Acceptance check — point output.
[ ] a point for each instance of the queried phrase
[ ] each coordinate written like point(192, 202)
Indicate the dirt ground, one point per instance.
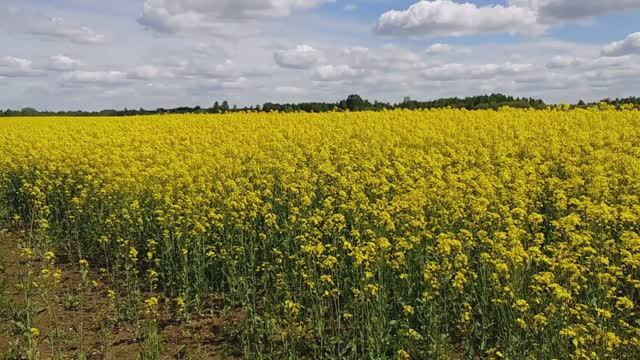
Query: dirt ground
point(83, 327)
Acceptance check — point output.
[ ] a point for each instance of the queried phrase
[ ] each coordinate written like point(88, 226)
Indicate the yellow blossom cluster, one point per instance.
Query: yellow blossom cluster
point(395, 234)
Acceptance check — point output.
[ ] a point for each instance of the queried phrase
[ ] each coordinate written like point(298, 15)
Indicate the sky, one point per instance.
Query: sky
point(96, 54)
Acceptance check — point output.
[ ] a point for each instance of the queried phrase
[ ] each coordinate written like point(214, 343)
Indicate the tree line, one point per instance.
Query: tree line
point(351, 103)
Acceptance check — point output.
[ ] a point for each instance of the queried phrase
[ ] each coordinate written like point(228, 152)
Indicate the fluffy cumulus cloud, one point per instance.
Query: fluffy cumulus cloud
point(564, 61)
point(95, 77)
point(289, 90)
point(56, 28)
point(237, 83)
point(171, 16)
point(630, 45)
point(301, 57)
point(444, 49)
point(452, 72)
point(150, 72)
point(577, 65)
point(226, 70)
point(385, 58)
point(159, 19)
point(63, 63)
point(439, 48)
point(337, 73)
point(607, 63)
point(48, 24)
point(448, 18)
point(14, 67)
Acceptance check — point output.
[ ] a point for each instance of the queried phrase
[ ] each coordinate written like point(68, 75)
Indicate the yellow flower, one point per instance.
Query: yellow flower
point(292, 308)
point(329, 262)
point(50, 256)
point(408, 310)
point(133, 254)
point(372, 289)
point(151, 305)
point(326, 279)
point(540, 320)
point(27, 253)
point(180, 302)
point(521, 305)
point(612, 341)
point(153, 275)
point(624, 304)
point(413, 334)
point(57, 275)
point(403, 355)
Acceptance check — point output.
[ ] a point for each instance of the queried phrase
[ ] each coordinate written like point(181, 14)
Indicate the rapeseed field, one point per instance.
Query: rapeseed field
point(436, 234)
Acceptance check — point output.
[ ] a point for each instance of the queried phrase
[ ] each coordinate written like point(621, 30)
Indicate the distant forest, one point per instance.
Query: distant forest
point(351, 103)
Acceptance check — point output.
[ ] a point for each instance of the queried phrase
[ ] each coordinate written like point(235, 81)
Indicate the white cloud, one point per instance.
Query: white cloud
point(170, 16)
point(529, 17)
point(239, 83)
point(452, 72)
point(226, 70)
point(613, 76)
point(240, 8)
point(301, 57)
point(204, 85)
point(448, 18)
point(17, 67)
point(385, 58)
point(605, 63)
point(442, 49)
point(563, 61)
point(56, 28)
point(546, 79)
point(566, 10)
point(438, 49)
point(149, 72)
point(14, 62)
point(159, 19)
point(336, 73)
point(350, 7)
point(630, 45)
point(96, 77)
point(289, 90)
point(63, 63)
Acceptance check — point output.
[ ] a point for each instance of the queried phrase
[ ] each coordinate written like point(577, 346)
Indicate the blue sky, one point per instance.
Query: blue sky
point(94, 54)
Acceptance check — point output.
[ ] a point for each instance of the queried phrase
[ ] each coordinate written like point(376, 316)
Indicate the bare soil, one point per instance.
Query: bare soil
point(84, 327)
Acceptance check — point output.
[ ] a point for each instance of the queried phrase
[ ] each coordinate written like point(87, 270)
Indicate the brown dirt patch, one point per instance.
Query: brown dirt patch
point(83, 323)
